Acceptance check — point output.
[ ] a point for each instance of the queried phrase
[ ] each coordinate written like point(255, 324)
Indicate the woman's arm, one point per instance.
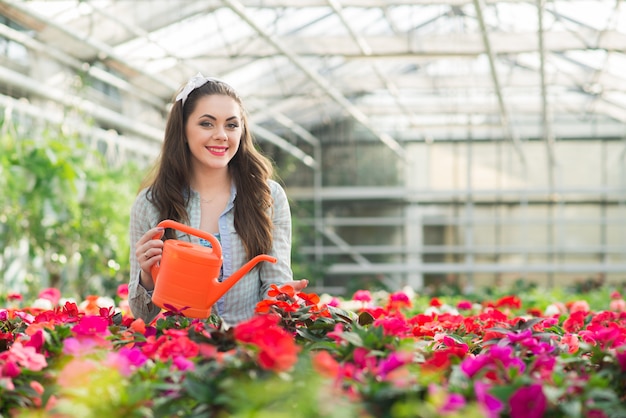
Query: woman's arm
point(142, 218)
point(279, 273)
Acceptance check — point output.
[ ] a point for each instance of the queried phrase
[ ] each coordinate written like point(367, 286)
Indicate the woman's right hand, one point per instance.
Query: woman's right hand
point(148, 251)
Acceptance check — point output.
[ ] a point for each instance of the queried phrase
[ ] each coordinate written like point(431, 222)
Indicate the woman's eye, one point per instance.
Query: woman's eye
point(206, 124)
point(233, 126)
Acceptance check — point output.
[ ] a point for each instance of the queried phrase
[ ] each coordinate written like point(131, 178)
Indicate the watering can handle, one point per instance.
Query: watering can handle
point(217, 248)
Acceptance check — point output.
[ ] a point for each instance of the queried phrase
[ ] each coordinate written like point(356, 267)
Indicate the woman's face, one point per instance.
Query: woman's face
point(213, 131)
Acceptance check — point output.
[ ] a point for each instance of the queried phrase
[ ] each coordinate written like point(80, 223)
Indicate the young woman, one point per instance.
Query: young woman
point(210, 176)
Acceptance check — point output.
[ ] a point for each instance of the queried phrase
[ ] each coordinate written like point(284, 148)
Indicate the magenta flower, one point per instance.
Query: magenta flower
point(491, 405)
point(621, 359)
point(363, 358)
point(497, 359)
point(506, 357)
point(126, 360)
point(91, 326)
point(454, 402)
point(393, 326)
point(528, 402)
point(10, 369)
point(472, 365)
point(362, 296)
point(604, 337)
point(464, 305)
point(122, 291)
point(400, 298)
point(394, 361)
point(182, 363)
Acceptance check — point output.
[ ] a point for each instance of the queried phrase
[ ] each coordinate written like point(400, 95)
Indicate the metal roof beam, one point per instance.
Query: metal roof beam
point(367, 51)
point(504, 116)
point(80, 66)
point(103, 51)
point(548, 135)
point(335, 94)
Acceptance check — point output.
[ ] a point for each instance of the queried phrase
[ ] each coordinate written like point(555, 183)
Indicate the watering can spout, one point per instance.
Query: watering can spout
point(245, 269)
point(220, 288)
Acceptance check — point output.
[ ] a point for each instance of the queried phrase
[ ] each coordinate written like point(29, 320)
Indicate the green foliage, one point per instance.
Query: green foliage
point(67, 208)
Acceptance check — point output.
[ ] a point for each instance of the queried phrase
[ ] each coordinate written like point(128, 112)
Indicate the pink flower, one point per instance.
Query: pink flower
point(579, 306)
point(362, 296)
point(394, 361)
point(77, 372)
point(122, 291)
point(528, 402)
point(27, 357)
point(337, 334)
point(393, 325)
point(618, 305)
point(79, 347)
point(52, 294)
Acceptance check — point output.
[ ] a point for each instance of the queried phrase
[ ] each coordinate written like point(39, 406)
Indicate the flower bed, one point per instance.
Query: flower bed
point(381, 355)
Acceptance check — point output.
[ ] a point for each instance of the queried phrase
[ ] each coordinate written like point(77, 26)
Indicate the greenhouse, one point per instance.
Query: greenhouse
point(439, 148)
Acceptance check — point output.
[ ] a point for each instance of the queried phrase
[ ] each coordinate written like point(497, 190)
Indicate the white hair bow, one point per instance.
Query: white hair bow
point(194, 82)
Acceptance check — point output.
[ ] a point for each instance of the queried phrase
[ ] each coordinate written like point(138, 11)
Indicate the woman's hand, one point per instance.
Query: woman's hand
point(148, 251)
point(298, 285)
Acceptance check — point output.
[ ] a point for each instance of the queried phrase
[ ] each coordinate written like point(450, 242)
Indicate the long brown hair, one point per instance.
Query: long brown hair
point(169, 184)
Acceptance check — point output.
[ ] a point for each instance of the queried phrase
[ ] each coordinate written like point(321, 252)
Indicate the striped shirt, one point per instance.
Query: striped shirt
point(239, 302)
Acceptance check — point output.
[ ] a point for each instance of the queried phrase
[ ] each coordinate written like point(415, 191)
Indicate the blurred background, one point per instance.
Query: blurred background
point(443, 145)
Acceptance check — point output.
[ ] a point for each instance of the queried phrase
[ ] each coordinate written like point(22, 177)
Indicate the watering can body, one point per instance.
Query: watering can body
point(186, 279)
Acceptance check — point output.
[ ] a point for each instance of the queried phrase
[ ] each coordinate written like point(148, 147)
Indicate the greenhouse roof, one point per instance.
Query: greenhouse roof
point(403, 70)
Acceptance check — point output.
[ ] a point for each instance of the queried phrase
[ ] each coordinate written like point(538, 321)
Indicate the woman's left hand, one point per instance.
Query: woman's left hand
point(298, 285)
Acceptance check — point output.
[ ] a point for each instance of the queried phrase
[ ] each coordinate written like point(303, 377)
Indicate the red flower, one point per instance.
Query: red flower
point(177, 347)
point(509, 301)
point(277, 349)
point(14, 297)
point(309, 298)
point(283, 291)
point(575, 322)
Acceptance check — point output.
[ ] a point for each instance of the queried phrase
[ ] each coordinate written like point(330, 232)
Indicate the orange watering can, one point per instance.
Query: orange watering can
point(186, 279)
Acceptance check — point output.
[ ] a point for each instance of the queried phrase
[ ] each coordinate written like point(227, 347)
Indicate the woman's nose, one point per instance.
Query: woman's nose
point(220, 133)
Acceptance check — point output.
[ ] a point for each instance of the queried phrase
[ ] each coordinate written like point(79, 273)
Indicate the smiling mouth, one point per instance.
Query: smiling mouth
point(217, 150)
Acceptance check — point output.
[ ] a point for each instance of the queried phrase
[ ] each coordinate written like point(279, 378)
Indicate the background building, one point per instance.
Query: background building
point(424, 143)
